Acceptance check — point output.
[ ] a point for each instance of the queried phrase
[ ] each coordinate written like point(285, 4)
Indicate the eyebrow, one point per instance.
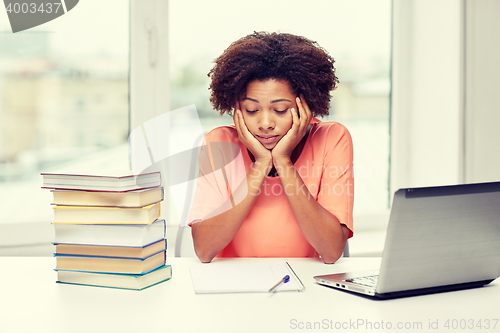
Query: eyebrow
point(273, 101)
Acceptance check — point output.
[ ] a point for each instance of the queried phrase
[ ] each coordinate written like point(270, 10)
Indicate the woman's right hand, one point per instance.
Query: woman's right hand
point(261, 153)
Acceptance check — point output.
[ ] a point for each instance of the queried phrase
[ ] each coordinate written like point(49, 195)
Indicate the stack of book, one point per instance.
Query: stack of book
point(107, 229)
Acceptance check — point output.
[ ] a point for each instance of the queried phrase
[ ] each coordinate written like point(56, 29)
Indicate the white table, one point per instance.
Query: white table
point(32, 302)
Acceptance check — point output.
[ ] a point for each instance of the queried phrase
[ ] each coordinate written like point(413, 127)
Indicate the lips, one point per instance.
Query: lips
point(267, 138)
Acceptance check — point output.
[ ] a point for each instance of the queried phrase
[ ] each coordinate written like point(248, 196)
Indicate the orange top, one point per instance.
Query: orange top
point(270, 229)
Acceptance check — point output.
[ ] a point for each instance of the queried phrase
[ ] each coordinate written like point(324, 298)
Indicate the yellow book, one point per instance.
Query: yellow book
point(106, 215)
point(110, 264)
point(131, 199)
point(111, 251)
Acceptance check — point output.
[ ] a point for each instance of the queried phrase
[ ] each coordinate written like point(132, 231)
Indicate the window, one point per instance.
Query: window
point(63, 101)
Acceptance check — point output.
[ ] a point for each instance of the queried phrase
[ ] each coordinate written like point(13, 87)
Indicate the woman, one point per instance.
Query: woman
point(279, 183)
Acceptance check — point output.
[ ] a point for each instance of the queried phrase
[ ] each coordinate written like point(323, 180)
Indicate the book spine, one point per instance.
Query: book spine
point(104, 227)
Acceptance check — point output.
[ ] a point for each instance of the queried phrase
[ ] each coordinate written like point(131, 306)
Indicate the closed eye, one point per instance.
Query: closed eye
point(278, 111)
point(251, 111)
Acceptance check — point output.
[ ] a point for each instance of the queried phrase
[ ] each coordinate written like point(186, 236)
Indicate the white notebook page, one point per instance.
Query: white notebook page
point(221, 277)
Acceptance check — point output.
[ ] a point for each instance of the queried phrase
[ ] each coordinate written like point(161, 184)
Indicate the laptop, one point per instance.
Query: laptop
point(439, 239)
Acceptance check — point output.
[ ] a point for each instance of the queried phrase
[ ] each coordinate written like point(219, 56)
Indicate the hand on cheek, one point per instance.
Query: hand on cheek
point(300, 122)
point(260, 152)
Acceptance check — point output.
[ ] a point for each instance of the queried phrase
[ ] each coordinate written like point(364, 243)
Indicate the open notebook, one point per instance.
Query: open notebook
point(222, 277)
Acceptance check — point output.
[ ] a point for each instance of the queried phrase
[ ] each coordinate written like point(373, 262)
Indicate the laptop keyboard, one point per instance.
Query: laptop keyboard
point(367, 281)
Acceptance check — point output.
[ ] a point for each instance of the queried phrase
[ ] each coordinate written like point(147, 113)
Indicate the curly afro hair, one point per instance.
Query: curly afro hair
point(281, 56)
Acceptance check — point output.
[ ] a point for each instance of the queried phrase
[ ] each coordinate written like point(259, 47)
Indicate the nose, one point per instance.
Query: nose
point(266, 122)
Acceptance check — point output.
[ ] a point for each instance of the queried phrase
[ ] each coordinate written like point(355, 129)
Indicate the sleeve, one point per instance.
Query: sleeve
point(221, 171)
point(336, 190)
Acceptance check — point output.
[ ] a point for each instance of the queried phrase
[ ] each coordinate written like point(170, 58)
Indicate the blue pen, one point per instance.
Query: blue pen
point(283, 280)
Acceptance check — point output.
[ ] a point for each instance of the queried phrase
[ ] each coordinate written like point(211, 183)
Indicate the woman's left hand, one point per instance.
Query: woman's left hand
point(285, 147)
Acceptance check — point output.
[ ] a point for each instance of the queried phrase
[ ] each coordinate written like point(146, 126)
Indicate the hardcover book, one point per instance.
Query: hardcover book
point(109, 264)
point(133, 235)
point(111, 251)
point(106, 215)
point(132, 199)
point(122, 281)
point(115, 181)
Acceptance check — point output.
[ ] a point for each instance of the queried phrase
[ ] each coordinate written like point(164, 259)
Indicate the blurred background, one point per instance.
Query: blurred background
point(64, 91)
point(418, 92)
point(64, 86)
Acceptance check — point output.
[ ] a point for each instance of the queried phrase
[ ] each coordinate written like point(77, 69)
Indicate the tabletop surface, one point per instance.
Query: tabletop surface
point(31, 301)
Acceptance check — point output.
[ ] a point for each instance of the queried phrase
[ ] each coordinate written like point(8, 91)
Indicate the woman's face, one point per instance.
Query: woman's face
point(266, 109)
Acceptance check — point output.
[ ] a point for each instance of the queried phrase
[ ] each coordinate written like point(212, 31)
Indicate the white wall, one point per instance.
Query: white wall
point(482, 88)
point(426, 93)
point(445, 92)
